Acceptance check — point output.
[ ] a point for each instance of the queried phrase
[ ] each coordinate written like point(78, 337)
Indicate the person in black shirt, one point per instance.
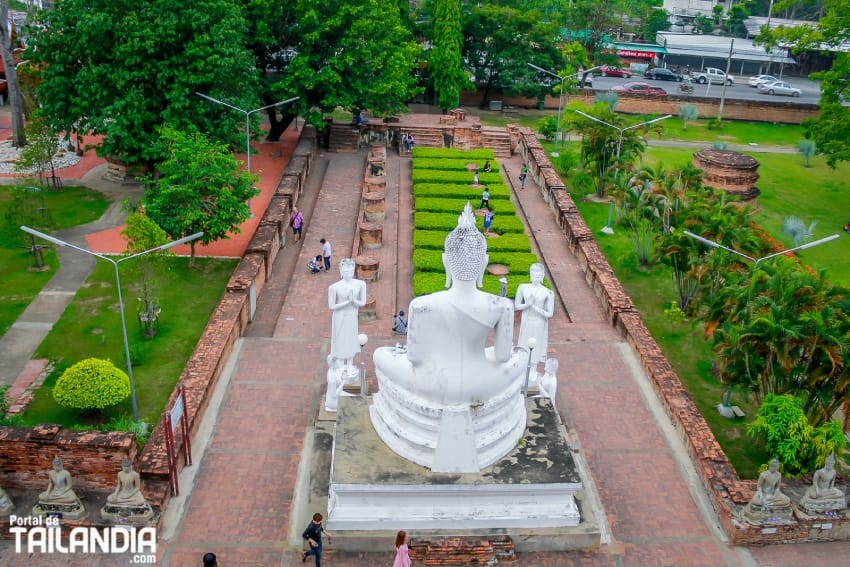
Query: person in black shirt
point(313, 535)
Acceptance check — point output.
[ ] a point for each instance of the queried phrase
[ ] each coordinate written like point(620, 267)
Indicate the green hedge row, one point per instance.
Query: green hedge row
point(450, 153)
point(460, 191)
point(517, 262)
point(438, 176)
point(507, 223)
point(443, 164)
point(499, 204)
point(435, 239)
point(429, 282)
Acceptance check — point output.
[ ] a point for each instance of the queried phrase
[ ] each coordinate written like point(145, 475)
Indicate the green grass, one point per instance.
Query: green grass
point(91, 327)
point(732, 132)
point(63, 209)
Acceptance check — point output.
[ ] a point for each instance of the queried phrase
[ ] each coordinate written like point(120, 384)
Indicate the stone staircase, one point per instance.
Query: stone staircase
point(428, 137)
point(343, 137)
point(499, 140)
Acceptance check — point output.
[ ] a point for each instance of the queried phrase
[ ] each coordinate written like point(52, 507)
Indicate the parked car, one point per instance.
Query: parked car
point(779, 88)
point(662, 74)
point(639, 88)
point(712, 75)
point(607, 71)
point(754, 81)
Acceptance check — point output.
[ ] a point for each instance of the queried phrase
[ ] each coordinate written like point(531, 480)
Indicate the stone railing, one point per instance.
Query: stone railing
point(727, 492)
point(369, 236)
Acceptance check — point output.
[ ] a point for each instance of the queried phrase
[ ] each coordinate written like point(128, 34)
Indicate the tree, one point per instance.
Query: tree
point(143, 234)
point(445, 57)
point(831, 130)
point(500, 41)
point(351, 54)
point(121, 69)
point(657, 21)
point(19, 138)
point(27, 208)
point(91, 385)
point(589, 22)
point(737, 14)
point(199, 187)
point(807, 149)
point(38, 154)
point(687, 112)
point(781, 424)
point(703, 25)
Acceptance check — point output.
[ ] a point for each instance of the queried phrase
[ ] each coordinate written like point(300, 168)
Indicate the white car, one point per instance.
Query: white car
point(778, 88)
point(754, 81)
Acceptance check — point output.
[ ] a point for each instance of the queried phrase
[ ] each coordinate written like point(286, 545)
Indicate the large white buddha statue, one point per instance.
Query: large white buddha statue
point(448, 401)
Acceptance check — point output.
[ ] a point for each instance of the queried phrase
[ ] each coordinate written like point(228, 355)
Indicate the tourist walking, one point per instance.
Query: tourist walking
point(523, 173)
point(326, 253)
point(485, 198)
point(402, 554)
point(488, 220)
point(313, 536)
point(405, 143)
point(400, 324)
point(475, 177)
point(296, 221)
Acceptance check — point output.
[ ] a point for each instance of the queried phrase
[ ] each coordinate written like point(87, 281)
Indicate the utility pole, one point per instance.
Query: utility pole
point(725, 81)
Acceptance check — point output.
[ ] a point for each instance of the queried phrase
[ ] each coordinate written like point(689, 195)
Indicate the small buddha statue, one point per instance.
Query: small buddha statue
point(59, 498)
point(769, 505)
point(127, 504)
point(59, 487)
point(549, 380)
point(345, 298)
point(128, 491)
point(6, 504)
point(537, 305)
point(823, 496)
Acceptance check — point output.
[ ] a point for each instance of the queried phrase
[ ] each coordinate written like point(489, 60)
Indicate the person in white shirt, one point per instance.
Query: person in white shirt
point(326, 253)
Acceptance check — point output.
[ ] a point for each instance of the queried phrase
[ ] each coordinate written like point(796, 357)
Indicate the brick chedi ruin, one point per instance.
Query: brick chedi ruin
point(733, 172)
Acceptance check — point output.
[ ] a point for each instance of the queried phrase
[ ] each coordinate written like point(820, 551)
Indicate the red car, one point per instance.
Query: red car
point(639, 88)
point(607, 71)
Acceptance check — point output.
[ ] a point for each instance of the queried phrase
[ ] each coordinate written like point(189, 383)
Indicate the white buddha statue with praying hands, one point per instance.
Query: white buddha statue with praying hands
point(448, 401)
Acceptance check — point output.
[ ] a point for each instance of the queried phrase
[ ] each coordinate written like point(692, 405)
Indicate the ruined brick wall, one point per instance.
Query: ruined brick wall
point(92, 457)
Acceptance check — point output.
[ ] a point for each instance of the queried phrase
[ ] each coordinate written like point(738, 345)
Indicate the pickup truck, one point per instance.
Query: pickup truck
point(712, 75)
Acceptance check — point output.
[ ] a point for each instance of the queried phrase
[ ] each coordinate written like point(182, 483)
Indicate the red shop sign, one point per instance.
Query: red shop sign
point(633, 53)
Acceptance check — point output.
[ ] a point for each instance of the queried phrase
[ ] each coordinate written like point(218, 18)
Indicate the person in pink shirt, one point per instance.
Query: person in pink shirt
point(402, 556)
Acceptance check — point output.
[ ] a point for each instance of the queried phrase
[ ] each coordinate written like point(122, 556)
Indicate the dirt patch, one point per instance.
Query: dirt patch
point(498, 270)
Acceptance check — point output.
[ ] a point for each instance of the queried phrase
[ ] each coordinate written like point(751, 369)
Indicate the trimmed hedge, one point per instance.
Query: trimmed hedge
point(501, 205)
point(443, 164)
point(518, 263)
point(460, 191)
point(507, 223)
point(429, 282)
point(459, 177)
point(91, 384)
point(435, 240)
point(451, 153)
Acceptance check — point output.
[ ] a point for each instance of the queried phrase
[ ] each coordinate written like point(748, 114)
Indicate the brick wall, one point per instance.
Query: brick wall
point(727, 492)
point(92, 457)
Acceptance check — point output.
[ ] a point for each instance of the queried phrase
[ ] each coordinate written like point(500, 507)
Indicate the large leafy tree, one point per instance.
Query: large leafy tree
point(199, 188)
point(353, 54)
point(500, 41)
point(445, 58)
point(7, 46)
point(831, 130)
point(122, 68)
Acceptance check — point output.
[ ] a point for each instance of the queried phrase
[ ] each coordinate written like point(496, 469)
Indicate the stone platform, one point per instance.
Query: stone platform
point(529, 494)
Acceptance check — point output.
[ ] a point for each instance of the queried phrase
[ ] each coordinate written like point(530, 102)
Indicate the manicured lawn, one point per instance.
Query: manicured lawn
point(62, 209)
point(733, 132)
point(90, 327)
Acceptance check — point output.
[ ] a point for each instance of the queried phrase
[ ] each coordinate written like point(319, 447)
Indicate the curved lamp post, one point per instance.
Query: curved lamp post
point(362, 339)
point(59, 242)
point(248, 114)
point(561, 78)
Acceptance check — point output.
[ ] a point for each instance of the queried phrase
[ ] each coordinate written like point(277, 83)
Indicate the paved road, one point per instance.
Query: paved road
point(740, 90)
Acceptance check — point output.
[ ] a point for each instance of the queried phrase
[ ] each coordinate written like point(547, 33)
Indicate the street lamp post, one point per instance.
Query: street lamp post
point(756, 261)
point(619, 130)
point(58, 242)
point(561, 78)
point(247, 114)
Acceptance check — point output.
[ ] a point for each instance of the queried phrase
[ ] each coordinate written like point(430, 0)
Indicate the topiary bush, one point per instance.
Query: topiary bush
point(91, 384)
point(453, 153)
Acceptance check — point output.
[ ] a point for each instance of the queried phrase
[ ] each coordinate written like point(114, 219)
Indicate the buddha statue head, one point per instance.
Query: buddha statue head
point(465, 256)
point(126, 465)
point(536, 273)
point(57, 463)
point(830, 462)
point(347, 266)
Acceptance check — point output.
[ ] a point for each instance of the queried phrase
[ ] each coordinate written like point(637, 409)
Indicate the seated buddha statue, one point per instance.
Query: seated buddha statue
point(823, 495)
point(59, 486)
point(440, 397)
point(768, 494)
point(128, 491)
